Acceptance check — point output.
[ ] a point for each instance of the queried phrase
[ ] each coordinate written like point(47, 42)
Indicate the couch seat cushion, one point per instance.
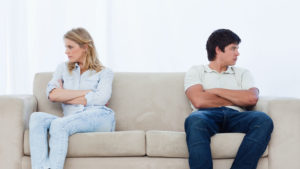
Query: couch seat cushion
point(173, 144)
point(102, 144)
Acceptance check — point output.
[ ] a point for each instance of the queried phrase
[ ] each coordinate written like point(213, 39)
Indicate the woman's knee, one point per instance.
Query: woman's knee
point(37, 119)
point(56, 126)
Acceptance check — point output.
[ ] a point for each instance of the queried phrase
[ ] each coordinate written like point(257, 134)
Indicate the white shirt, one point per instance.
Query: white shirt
point(233, 78)
point(99, 82)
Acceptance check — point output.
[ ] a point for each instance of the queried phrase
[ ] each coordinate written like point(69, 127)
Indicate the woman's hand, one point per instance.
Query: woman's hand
point(78, 100)
point(60, 84)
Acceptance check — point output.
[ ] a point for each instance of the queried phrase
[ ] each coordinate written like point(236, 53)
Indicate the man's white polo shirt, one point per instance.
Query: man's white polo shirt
point(233, 78)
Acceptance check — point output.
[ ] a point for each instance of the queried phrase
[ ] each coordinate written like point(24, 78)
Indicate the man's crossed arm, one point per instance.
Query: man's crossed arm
point(218, 97)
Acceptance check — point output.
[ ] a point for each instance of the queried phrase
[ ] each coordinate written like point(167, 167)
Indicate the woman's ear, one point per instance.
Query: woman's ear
point(85, 46)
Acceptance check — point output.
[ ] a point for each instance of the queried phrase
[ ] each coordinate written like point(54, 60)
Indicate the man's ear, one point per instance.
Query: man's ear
point(218, 50)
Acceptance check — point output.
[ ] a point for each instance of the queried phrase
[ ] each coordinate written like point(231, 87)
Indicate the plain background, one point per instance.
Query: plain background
point(151, 36)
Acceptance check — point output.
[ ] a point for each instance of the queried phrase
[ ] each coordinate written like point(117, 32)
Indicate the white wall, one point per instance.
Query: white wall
point(152, 36)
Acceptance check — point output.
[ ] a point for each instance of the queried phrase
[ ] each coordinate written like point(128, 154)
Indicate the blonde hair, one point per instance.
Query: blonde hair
point(82, 37)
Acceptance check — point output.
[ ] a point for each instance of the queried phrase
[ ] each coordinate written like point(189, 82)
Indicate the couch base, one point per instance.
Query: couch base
point(138, 163)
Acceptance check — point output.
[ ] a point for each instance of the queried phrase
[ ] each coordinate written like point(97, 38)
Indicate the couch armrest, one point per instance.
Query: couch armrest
point(263, 104)
point(14, 116)
point(284, 149)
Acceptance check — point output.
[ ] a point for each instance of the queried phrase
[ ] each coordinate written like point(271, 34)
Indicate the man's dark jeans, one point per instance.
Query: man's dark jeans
point(204, 123)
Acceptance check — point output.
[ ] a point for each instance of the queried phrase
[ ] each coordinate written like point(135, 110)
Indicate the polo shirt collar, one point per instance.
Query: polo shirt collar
point(229, 70)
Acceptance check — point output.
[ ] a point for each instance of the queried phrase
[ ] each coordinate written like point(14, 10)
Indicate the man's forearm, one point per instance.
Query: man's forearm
point(207, 100)
point(201, 99)
point(237, 97)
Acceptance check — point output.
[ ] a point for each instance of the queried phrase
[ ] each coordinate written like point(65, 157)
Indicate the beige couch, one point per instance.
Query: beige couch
point(150, 112)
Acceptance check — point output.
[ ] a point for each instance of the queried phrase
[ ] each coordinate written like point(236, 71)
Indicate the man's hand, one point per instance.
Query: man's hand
point(212, 91)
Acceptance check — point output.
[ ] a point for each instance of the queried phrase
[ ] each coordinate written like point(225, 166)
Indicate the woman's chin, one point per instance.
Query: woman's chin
point(72, 61)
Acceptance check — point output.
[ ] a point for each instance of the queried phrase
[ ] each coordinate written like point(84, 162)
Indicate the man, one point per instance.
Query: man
point(219, 93)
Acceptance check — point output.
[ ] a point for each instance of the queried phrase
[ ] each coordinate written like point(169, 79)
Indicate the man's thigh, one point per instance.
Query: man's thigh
point(243, 121)
point(211, 118)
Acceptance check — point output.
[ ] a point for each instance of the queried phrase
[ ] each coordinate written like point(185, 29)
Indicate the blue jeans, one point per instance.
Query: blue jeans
point(60, 128)
point(204, 123)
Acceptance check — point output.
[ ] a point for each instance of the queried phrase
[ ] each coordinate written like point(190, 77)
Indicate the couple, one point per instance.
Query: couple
point(218, 93)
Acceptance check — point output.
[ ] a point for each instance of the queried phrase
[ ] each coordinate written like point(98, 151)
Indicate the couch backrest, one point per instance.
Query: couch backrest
point(141, 101)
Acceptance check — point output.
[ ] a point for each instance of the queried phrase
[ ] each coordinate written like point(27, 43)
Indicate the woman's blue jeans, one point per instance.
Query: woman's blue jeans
point(204, 123)
point(60, 128)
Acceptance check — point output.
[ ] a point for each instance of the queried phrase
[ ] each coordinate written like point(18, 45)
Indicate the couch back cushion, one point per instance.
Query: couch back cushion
point(141, 101)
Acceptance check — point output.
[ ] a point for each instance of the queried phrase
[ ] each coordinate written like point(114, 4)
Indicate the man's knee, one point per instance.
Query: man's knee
point(268, 123)
point(264, 121)
point(195, 121)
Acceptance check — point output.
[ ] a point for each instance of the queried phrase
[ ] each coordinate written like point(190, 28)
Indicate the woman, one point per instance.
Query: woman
point(83, 86)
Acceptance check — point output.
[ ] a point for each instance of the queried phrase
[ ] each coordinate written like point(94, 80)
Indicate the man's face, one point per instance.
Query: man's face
point(230, 54)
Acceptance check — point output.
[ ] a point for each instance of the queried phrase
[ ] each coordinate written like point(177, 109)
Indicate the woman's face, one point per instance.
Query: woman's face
point(74, 52)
